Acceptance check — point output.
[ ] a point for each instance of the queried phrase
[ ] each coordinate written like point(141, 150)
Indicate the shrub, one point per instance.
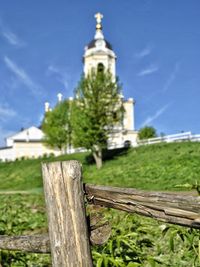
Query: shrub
point(147, 132)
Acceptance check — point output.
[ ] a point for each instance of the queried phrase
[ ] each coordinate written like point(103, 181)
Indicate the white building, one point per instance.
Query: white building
point(98, 54)
point(26, 143)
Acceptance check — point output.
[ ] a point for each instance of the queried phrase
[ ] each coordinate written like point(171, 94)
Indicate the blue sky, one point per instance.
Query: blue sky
point(157, 44)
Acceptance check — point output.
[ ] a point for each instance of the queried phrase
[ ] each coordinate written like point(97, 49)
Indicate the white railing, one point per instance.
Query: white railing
point(195, 137)
point(187, 136)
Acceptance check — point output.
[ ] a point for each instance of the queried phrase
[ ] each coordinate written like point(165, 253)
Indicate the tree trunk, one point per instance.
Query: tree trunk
point(97, 154)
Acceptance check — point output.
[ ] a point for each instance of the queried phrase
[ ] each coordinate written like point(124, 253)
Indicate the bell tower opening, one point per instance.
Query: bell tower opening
point(100, 68)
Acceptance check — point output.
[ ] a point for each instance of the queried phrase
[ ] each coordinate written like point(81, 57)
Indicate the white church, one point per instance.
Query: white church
point(28, 143)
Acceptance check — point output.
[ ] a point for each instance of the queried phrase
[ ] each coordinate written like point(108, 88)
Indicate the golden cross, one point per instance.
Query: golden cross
point(98, 17)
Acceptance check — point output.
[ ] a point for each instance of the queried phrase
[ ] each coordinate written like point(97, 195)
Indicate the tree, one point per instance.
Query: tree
point(96, 111)
point(57, 127)
point(147, 132)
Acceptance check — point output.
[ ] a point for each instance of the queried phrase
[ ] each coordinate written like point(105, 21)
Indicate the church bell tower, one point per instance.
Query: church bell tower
point(100, 56)
point(98, 53)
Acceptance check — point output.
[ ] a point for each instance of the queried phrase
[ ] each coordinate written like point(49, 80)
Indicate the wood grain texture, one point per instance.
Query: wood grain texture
point(99, 231)
point(67, 224)
point(168, 207)
point(34, 243)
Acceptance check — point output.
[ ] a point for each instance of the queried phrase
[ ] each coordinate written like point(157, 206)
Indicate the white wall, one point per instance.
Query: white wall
point(7, 154)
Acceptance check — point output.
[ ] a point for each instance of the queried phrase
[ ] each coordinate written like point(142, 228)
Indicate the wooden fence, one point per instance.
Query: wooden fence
point(69, 237)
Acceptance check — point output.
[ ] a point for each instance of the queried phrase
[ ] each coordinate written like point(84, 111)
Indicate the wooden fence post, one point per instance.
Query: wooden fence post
point(68, 231)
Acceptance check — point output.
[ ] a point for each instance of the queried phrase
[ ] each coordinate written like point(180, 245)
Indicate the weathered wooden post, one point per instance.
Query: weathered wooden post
point(68, 230)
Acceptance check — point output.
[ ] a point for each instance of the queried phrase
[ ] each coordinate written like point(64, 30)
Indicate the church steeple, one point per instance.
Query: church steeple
point(99, 32)
point(98, 17)
point(99, 52)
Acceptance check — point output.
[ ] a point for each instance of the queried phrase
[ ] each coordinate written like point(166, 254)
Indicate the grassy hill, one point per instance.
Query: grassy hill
point(155, 167)
point(136, 241)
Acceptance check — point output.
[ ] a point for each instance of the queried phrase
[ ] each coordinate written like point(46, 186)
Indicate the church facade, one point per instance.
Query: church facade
point(98, 54)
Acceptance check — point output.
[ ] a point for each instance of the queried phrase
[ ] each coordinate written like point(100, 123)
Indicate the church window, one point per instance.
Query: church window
point(100, 67)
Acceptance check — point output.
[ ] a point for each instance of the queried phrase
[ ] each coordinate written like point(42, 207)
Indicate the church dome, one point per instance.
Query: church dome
point(99, 52)
point(92, 44)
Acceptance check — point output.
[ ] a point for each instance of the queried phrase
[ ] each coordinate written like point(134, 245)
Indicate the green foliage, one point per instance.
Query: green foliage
point(140, 242)
point(56, 126)
point(19, 217)
point(22, 215)
point(135, 241)
point(147, 132)
point(97, 109)
point(179, 238)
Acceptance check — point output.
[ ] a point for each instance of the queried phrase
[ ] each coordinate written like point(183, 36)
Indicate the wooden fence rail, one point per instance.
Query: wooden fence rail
point(68, 238)
point(168, 207)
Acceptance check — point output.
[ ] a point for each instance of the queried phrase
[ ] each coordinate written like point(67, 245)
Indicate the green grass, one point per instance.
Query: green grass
point(136, 241)
point(22, 215)
point(155, 167)
point(26, 174)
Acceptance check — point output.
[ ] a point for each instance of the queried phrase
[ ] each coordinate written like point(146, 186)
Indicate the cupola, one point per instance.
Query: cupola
point(99, 53)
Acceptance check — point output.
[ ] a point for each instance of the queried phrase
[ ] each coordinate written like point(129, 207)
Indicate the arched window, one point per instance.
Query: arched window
point(100, 67)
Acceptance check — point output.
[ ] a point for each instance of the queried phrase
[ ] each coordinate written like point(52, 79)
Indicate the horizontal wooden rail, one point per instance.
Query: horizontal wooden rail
point(168, 207)
point(99, 231)
point(172, 208)
point(32, 243)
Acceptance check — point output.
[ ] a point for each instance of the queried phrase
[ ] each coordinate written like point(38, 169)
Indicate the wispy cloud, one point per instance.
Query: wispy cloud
point(23, 77)
point(152, 118)
point(61, 75)
point(171, 78)
point(144, 52)
point(6, 112)
point(147, 71)
point(10, 36)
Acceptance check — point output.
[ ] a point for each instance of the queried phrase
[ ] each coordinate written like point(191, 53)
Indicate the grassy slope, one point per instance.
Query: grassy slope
point(156, 167)
point(151, 167)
